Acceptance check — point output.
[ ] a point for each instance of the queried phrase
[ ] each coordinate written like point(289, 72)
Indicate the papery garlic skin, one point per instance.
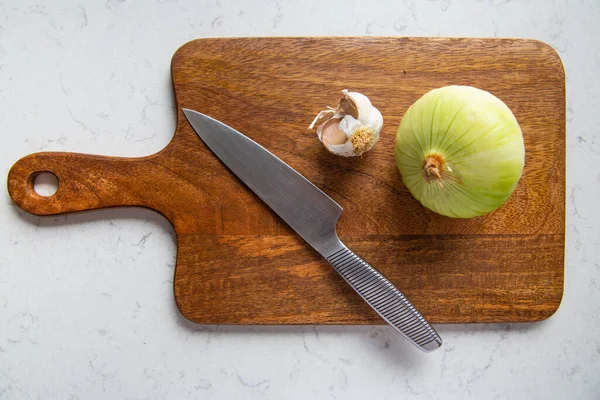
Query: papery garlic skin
point(355, 117)
point(375, 120)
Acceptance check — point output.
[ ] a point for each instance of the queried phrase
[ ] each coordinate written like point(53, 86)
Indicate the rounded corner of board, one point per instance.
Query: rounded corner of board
point(550, 312)
point(551, 53)
point(184, 312)
point(181, 50)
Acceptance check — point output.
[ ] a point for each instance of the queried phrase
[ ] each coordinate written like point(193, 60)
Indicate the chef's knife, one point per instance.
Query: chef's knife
point(313, 215)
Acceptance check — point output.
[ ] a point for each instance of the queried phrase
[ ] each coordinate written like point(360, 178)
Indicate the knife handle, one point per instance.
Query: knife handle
point(385, 298)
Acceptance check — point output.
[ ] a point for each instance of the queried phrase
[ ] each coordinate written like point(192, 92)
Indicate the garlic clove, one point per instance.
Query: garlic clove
point(355, 104)
point(332, 133)
point(335, 139)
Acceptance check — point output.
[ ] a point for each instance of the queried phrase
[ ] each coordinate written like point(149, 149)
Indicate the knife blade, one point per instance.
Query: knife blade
point(313, 215)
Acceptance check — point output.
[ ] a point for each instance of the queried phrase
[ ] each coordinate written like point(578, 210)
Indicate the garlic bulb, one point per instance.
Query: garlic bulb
point(350, 129)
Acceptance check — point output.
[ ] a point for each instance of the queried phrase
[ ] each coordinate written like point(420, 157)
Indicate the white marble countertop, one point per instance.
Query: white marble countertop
point(86, 301)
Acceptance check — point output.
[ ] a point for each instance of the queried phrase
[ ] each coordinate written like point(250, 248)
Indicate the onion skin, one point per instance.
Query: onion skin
point(460, 151)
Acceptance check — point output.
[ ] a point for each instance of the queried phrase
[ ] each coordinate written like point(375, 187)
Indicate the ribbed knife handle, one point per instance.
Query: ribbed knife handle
point(385, 298)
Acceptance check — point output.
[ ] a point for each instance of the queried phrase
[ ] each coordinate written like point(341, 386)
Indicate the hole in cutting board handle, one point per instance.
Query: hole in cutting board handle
point(44, 183)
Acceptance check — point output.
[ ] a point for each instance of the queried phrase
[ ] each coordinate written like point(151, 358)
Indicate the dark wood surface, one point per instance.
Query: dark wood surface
point(238, 263)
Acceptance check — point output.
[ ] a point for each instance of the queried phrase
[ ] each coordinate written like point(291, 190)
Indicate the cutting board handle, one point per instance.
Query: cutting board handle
point(85, 182)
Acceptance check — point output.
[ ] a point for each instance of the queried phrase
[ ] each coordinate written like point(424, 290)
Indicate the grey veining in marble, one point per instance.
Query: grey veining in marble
point(86, 302)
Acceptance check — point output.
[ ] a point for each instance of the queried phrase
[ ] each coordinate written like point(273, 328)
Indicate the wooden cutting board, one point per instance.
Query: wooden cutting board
point(238, 263)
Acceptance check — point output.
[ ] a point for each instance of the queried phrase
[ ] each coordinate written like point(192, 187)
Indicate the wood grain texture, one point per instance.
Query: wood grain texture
point(238, 263)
